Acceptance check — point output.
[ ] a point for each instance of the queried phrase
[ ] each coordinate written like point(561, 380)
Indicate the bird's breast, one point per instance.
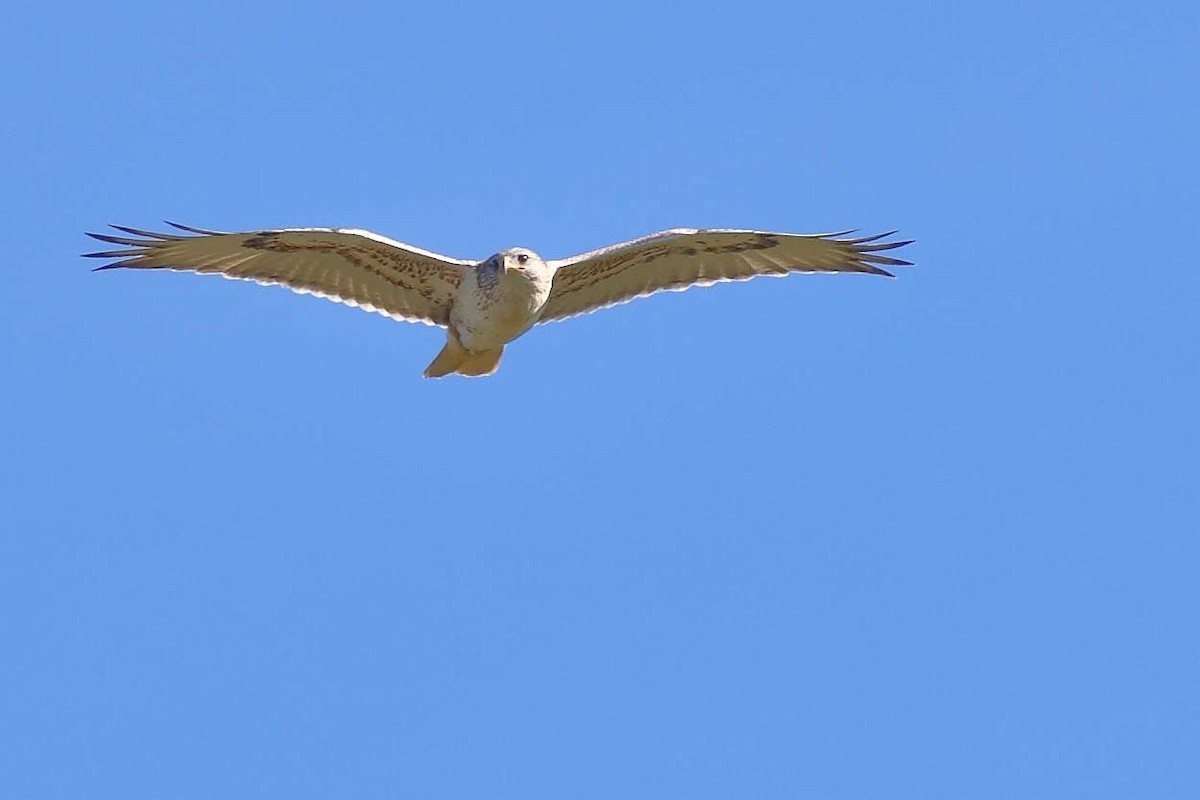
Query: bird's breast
point(489, 315)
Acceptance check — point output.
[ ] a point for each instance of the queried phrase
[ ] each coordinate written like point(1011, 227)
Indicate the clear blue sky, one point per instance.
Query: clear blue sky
point(826, 537)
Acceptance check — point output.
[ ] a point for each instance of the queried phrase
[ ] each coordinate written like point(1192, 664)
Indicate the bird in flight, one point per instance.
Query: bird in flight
point(486, 304)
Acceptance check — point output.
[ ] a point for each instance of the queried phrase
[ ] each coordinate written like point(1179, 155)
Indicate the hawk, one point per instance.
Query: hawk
point(486, 304)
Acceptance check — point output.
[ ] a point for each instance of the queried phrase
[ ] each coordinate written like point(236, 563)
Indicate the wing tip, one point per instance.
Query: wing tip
point(112, 254)
point(147, 242)
point(191, 229)
point(867, 251)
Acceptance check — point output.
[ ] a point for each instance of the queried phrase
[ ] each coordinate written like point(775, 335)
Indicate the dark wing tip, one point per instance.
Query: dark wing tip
point(867, 250)
point(162, 237)
point(190, 229)
point(875, 258)
point(865, 239)
point(139, 246)
point(110, 239)
point(146, 242)
point(114, 253)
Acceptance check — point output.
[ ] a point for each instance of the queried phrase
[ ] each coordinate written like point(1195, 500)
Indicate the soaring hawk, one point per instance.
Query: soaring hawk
point(486, 304)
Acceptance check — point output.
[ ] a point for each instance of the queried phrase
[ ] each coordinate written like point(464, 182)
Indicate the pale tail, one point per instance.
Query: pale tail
point(454, 359)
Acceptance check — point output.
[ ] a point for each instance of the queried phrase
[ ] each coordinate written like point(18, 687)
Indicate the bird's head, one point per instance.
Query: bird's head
point(520, 259)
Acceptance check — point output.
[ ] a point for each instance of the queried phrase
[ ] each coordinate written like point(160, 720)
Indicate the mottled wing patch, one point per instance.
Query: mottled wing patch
point(678, 259)
point(754, 241)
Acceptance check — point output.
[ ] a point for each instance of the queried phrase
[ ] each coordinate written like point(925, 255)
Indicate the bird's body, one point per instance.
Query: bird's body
point(485, 305)
point(501, 301)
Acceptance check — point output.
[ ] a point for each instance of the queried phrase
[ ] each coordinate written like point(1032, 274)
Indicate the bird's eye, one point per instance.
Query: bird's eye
point(522, 258)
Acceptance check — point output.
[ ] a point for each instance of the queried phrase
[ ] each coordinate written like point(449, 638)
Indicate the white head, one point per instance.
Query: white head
point(522, 260)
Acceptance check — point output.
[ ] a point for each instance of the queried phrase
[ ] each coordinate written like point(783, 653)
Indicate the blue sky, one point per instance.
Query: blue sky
point(824, 537)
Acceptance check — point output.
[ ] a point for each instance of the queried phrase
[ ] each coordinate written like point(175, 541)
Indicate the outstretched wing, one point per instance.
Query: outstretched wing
point(358, 268)
point(678, 259)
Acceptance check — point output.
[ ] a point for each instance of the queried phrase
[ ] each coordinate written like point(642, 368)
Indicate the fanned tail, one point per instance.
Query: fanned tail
point(455, 359)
